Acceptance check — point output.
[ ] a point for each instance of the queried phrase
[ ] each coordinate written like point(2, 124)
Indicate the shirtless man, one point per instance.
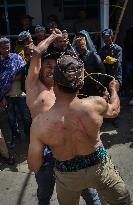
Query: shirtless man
point(40, 97)
point(71, 128)
point(39, 91)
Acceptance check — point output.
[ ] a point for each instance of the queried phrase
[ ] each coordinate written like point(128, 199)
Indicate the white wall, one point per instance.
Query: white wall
point(34, 9)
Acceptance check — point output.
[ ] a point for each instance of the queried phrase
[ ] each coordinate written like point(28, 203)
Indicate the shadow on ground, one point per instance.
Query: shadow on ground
point(119, 131)
point(21, 145)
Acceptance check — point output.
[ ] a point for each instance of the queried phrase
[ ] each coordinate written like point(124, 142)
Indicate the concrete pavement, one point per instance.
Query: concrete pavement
point(18, 186)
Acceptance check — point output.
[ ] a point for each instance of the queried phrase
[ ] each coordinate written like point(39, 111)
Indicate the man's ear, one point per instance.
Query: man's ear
point(55, 87)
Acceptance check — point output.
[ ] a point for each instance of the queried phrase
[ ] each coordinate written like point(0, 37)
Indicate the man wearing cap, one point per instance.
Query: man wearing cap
point(71, 128)
point(111, 55)
point(23, 42)
point(12, 67)
point(40, 97)
point(40, 34)
point(23, 48)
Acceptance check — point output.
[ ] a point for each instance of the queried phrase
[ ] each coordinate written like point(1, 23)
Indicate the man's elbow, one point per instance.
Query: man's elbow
point(33, 167)
point(115, 113)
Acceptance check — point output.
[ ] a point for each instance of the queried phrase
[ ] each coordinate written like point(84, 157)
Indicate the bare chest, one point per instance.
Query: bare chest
point(45, 100)
point(40, 101)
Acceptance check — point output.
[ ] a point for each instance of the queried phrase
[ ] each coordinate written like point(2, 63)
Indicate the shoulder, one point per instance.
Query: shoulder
point(16, 56)
point(37, 119)
point(95, 103)
point(36, 127)
point(91, 100)
point(41, 119)
point(98, 100)
point(117, 47)
point(96, 56)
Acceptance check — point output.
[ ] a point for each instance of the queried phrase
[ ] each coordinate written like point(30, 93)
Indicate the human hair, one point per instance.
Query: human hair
point(22, 42)
point(51, 56)
point(4, 41)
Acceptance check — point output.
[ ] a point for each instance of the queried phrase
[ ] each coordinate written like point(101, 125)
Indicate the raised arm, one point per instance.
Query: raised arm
point(99, 66)
point(109, 109)
point(35, 64)
point(113, 107)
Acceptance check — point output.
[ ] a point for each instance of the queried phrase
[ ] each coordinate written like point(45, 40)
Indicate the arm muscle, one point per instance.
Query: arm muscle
point(35, 153)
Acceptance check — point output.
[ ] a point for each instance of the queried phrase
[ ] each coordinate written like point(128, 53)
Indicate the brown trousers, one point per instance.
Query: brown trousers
point(103, 176)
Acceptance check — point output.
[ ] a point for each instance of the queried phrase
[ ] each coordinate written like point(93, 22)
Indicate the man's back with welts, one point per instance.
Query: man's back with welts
point(40, 97)
point(71, 128)
point(75, 127)
point(72, 124)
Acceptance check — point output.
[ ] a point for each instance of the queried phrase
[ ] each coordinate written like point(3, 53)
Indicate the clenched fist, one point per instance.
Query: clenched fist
point(114, 84)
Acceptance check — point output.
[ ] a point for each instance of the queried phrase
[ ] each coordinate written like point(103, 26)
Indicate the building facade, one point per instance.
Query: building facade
point(98, 12)
point(11, 12)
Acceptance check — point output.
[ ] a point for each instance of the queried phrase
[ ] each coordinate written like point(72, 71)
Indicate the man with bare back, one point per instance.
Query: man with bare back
point(40, 97)
point(71, 128)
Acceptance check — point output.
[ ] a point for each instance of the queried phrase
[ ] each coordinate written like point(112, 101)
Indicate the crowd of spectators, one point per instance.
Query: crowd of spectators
point(28, 34)
point(15, 60)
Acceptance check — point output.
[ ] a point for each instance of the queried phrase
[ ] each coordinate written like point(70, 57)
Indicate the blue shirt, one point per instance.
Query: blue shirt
point(47, 151)
point(48, 157)
point(115, 51)
point(9, 68)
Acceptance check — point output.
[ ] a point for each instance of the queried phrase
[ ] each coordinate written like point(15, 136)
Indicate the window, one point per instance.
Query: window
point(3, 28)
point(10, 13)
point(72, 7)
point(15, 1)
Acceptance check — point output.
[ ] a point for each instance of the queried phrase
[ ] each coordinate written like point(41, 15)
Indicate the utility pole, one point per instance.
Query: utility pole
point(120, 19)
